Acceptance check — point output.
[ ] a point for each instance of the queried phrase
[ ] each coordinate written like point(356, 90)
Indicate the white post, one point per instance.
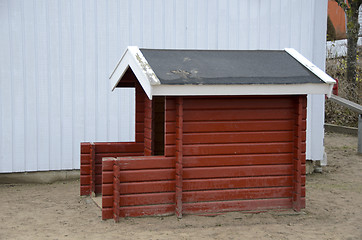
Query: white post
point(359, 149)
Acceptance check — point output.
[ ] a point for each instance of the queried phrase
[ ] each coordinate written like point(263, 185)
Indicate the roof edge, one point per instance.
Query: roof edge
point(134, 59)
point(310, 66)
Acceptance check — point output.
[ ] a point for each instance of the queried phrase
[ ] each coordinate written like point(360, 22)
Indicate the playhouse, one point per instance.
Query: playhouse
point(216, 131)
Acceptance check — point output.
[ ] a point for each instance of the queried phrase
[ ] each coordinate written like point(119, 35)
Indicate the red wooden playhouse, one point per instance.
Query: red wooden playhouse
point(216, 131)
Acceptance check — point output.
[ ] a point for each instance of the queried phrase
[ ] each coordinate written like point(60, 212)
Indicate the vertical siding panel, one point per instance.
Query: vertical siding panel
point(295, 24)
point(254, 30)
point(17, 68)
point(147, 23)
point(212, 28)
point(180, 27)
point(6, 134)
point(55, 81)
point(30, 89)
point(201, 25)
point(274, 24)
point(116, 35)
point(285, 15)
point(244, 24)
point(223, 25)
point(101, 78)
point(77, 12)
point(42, 49)
point(264, 25)
point(158, 24)
point(169, 23)
point(90, 56)
point(67, 87)
point(191, 11)
point(136, 23)
point(233, 24)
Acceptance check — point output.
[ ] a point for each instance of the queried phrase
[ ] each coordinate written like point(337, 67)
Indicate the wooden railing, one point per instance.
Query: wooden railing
point(356, 108)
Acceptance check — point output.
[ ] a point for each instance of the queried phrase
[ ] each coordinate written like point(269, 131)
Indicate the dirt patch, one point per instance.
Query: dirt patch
point(56, 211)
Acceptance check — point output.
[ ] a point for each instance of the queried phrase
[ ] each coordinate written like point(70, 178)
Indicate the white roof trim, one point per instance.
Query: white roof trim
point(251, 89)
point(150, 83)
point(310, 66)
point(134, 59)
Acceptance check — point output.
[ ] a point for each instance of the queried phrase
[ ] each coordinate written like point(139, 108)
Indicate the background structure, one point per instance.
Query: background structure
point(56, 57)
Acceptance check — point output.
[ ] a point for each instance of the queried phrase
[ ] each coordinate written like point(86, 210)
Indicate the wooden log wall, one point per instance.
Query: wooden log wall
point(144, 186)
point(238, 153)
point(93, 176)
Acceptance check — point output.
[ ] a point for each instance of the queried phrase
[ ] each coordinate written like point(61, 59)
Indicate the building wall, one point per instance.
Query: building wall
point(56, 57)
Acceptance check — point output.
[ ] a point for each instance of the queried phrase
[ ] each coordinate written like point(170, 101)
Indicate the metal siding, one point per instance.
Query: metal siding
point(57, 55)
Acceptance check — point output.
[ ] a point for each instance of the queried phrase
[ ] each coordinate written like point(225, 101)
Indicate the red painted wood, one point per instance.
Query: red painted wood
point(238, 103)
point(237, 171)
point(148, 162)
point(107, 189)
point(227, 206)
point(179, 155)
point(299, 148)
point(107, 202)
point(85, 158)
point(230, 115)
point(238, 137)
point(245, 182)
point(100, 156)
point(147, 199)
point(107, 213)
point(237, 160)
point(118, 147)
point(233, 126)
point(148, 187)
point(241, 148)
point(116, 192)
point(147, 175)
point(84, 180)
point(92, 167)
point(164, 209)
point(238, 194)
point(84, 148)
point(85, 190)
point(85, 169)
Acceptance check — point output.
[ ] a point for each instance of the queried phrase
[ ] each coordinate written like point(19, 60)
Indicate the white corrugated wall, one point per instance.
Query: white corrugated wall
point(56, 56)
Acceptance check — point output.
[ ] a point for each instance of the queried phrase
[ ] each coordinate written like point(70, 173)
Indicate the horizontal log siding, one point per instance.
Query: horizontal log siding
point(146, 186)
point(238, 152)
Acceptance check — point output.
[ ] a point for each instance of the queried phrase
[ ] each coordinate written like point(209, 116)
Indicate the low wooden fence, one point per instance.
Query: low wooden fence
point(138, 186)
point(91, 162)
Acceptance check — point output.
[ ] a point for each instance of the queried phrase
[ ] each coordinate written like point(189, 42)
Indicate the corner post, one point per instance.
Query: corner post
point(116, 190)
point(93, 169)
point(297, 156)
point(179, 155)
point(359, 149)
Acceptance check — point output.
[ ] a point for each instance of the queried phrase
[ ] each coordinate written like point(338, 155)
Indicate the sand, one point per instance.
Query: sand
point(56, 211)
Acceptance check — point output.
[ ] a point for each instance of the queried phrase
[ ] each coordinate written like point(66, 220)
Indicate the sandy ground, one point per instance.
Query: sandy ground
point(56, 211)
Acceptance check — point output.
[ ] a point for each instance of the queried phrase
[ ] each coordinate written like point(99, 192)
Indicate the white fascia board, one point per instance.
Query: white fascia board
point(134, 59)
point(252, 89)
point(310, 66)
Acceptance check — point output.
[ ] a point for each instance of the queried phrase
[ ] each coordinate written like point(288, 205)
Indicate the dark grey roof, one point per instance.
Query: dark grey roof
point(227, 67)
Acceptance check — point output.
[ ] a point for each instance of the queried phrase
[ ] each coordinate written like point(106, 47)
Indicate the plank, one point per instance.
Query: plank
point(164, 209)
point(109, 147)
point(244, 205)
point(237, 194)
point(85, 190)
point(84, 180)
point(100, 156)
point(107, 202)
point(85, 147)
point(85, 169)
point(147, 199)
point(245, 182)
point(237, 160)
point(147, 162)
point(233, 126)
point(238, 103)
point(232, 115)
point(147, 187)
point(107, 213)
point(147, 175)
point(237, 171)
point(238, 137)
point(240, 148)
